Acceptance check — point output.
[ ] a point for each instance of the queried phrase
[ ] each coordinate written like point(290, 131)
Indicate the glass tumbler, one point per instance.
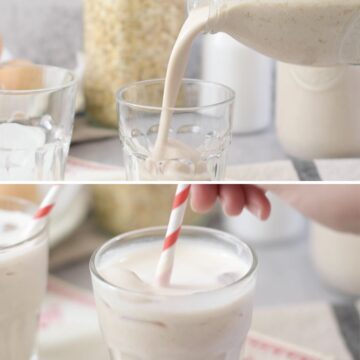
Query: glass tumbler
point(37, 107)
point(23, 278)
point(144, 325)
point(200, 124)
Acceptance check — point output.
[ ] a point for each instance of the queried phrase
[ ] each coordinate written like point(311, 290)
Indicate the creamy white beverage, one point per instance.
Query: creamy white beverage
point(165, 147)
point(23, 274)
point(306, 32)
point(317, 111)
point(204, 314)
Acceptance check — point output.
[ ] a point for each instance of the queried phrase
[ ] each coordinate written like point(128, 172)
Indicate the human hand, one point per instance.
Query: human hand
point(335, 206)
point(234, 198)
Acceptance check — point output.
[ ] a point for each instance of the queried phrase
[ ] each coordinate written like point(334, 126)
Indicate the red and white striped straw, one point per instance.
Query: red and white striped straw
point(44, 209)
point(166, 262)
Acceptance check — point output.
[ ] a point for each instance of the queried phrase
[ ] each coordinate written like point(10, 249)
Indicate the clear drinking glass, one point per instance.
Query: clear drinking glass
point(210, 325)
point(201, 122)
point(37, 107)
point(23, 277)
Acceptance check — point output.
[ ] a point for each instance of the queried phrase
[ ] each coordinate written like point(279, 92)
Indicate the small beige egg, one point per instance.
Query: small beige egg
point(27, 192)
point(19, 62)
point(20, 75)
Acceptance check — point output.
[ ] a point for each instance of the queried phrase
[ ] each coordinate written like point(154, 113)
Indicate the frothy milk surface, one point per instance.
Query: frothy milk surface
point(12, 227)
point(197, 317)
point(23, 273)
point(197, 268)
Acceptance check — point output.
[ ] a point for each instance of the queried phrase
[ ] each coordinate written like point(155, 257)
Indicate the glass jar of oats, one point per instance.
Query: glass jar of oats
point(125, 41)
point(119, 209)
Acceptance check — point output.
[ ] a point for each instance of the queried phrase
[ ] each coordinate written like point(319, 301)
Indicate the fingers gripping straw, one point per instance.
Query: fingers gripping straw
point(166, 262)
point(45, 208)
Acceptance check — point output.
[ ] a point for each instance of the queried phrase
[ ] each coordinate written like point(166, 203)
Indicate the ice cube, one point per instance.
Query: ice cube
point(15, 136)
point(46, 122)
point(125, 279)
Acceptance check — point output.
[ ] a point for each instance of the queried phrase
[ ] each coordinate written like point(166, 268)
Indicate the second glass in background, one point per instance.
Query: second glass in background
point(201, 123)
point(23, 278)
point(37, 108)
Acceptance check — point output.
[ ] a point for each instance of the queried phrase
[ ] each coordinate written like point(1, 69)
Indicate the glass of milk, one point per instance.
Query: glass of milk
point(37, 107)
point(198, 137)
point(204, 314)
point(23, 275)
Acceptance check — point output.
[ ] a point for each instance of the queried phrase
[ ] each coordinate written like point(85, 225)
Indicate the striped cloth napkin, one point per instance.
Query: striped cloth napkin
point(329, 329)
point(69, 330)
point(298, 170)
point(81, 170)
point(285, 170)
point(291, 170)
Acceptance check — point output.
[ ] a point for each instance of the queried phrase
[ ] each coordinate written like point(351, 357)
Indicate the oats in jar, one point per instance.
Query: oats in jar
point(118, 208)
point(126, 41)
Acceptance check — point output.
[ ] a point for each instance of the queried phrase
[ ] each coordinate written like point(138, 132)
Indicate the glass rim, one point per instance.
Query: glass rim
point(249, 273)
point(186, 81)
point(29, 239)
point(73, 81)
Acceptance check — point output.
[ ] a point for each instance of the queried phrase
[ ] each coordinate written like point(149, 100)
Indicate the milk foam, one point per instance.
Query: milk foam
point(12, 227)
point(198, 267)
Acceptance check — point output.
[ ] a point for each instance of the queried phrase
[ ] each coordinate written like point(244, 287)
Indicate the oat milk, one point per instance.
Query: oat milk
point(166, 148)
point(23, 273)
point(304, 32)
point(198, 317)
point(317, 111)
